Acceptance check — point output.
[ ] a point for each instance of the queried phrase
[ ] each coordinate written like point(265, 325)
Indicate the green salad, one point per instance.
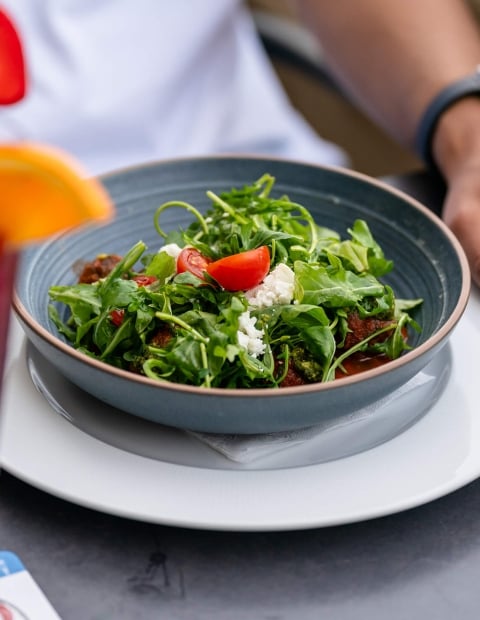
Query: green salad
point(252, 294)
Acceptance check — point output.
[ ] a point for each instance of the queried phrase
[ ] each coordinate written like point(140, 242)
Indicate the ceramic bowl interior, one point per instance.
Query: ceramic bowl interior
point(429, 263)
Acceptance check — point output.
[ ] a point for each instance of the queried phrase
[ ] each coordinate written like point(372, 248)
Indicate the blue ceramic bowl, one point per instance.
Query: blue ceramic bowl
point(429, 263)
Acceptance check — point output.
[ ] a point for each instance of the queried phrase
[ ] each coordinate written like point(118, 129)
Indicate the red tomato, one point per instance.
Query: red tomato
point(117, 316)
point(144, 280)
point(193, 261)
point(242, 271)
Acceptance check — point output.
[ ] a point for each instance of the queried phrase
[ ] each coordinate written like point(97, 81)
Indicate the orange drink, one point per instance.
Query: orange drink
point(43, 191)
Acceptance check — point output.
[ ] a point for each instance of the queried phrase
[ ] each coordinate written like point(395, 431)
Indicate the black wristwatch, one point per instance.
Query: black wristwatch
point(465, 87)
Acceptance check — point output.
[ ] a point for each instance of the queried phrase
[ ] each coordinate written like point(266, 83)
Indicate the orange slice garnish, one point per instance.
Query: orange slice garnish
point(43, 191)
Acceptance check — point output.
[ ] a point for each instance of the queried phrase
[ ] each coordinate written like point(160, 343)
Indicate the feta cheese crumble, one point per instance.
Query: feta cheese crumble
point(277, 288)
point(248, 336)
point(172, 249)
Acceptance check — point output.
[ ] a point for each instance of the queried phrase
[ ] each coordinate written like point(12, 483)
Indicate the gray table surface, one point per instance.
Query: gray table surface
point(422, 563)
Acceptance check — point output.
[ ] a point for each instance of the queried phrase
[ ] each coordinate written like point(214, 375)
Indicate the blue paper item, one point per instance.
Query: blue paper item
point(20, 596)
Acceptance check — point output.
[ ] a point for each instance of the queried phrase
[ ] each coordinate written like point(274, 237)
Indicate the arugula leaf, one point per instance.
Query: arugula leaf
point(334, 287)
point(161, 265)
point(82, 299)
point(377, 265)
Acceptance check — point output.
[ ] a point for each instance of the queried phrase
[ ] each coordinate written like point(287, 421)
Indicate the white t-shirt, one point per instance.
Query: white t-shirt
point(120, 82)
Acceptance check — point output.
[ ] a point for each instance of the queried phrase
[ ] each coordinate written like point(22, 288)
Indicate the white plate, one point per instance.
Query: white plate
point(187, 485)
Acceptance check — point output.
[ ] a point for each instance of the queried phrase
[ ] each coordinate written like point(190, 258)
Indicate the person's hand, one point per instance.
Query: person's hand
point(461, 212)
point(456, 151)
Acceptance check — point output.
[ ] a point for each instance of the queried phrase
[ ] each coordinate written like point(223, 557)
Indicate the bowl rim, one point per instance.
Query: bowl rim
point(63, 347)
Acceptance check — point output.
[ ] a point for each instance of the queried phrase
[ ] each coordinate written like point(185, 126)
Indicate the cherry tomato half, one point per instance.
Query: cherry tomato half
point(193, 261)
point(242, 271)
point(144, 280)
point(117, 316)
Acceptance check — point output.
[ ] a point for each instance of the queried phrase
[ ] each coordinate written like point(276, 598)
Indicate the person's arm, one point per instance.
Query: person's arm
point(394, 58)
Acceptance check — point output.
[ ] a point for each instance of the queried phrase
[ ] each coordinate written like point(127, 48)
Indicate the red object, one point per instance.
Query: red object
point(193, 261)
point(5, 613)
point(12, 63)
point(242, 271)
point(8, 261)
point(117, 316)
point(144, 280)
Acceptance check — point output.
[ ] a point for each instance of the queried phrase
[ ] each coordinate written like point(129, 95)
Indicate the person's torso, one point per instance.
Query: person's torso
point(117, 82)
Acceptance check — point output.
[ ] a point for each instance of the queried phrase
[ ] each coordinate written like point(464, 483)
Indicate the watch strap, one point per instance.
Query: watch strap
point(465, 87)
